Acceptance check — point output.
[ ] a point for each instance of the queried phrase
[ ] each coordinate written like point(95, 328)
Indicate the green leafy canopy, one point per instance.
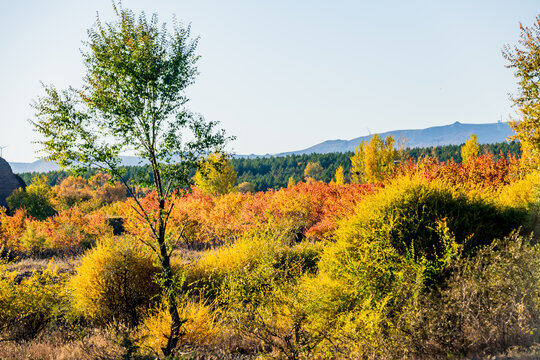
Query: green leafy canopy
point(132, 100)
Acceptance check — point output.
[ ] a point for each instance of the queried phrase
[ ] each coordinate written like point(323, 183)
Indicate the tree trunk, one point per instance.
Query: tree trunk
point(176, 322)
point(168, 283)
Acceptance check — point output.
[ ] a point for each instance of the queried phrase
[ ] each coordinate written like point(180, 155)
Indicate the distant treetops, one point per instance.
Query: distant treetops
point(372, 162)
point(216, 175)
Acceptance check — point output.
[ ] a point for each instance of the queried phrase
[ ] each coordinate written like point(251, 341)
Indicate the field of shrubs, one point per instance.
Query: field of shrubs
point(439, 260)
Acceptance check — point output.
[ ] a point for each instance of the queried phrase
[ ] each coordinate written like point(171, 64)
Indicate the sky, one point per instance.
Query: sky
point(284, 75)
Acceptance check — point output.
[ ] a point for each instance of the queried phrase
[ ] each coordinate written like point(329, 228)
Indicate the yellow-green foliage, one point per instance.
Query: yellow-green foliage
point(470, 149)
point(115, 281)
point(253, 261)
point(280, 318)
point(361, 291)
point(340, 176)
point(254, 280)
point(407, 212)
point(37, 198)
point(522, 193)
point(34, 238)
point(216, 175)
point(374, 160)
point(397, 244)
point(27, 306)
point(313, 170)
point(202, 327)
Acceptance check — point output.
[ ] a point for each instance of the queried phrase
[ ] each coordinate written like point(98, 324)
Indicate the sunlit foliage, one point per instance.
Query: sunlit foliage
point(470, 149)
point(115, 282)
point(216, 175)
point(373, 160)
point(37, 199)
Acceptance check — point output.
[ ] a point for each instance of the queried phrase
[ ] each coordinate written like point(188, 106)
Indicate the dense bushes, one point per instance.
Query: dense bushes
point(409, 268)
point(115, 282)
point(35, 198)
point(407, 211)
point(67, 232)
point(490, 302)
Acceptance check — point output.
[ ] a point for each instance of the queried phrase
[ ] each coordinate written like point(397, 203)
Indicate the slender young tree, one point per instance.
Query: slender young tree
point(133, 100)
point(358, 164)
point(340, 176)
point(313, 170)
point(470, 149)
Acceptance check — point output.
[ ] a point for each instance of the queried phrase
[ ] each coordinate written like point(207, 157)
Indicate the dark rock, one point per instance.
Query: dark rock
point(8, 182)
point(117, 223)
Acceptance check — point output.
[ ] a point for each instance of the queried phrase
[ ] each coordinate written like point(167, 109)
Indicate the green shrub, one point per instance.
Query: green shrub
point(36, 199)
point(407, 212)
point(398, 245)
point(115, 282)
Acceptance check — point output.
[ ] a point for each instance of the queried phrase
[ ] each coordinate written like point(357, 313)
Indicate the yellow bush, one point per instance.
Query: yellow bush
point(34, 238)
point(201, 327)
point(115, 282)
point(28, 306)
point(521, 193)
point(253, 259)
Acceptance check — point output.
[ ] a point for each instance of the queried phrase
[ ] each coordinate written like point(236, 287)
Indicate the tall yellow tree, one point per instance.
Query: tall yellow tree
point(470, 149)
point(373, 161)
point(340, 176)
point(216, 176)
point(291, 183)
point(358, 173)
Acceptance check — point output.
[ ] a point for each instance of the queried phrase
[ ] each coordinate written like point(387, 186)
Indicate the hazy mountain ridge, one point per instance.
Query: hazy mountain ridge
point(41, 165)
point(454, 134)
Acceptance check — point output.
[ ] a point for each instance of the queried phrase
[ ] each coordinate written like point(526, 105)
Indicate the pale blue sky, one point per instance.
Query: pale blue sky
point(285, 75)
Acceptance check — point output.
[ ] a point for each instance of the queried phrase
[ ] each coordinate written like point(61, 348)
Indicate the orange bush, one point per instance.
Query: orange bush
point(12, 228)
point(304, 210)
point(68, 228)
point(480, 173)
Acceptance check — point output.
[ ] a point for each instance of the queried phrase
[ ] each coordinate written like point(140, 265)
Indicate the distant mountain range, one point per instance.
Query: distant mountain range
point(454, 134)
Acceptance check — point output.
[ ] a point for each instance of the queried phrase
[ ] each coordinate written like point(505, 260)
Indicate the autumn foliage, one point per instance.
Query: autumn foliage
point(308, 271)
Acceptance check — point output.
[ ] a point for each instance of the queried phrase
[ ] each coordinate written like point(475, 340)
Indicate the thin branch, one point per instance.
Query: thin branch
point(179, 236)
point(143, 213)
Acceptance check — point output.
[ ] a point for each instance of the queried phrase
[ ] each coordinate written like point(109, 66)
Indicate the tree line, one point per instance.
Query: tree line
point(274, 172)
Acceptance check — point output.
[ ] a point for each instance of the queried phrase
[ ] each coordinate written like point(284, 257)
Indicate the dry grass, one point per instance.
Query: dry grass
point(28, 265)
point(53, 347)
point(103, 345)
